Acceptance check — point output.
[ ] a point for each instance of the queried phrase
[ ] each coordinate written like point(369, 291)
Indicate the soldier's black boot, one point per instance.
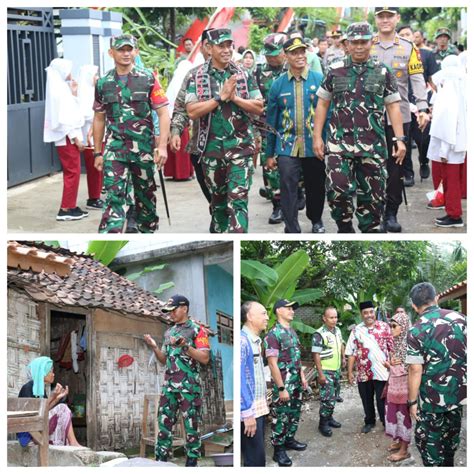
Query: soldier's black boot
point(333, 423)
point(324, 427)
point(391, 224)
point(291, 443)
point(263, 192)
point(280, 456)
point(191, 462)
point(277, 214)
point(132, 226)
point(448, 461)
point(345, 228)
point(165, 459)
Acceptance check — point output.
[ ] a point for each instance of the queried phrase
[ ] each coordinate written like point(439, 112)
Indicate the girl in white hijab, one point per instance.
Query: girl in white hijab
point(448, 142)
point(62, 125)
point(85, 95)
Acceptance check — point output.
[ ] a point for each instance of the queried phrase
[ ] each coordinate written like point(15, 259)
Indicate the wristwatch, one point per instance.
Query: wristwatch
point(217, 97)
point(425, 111)
point(402, 138)
point(185, 348)
point(410, 403)
point(97, 153)
point(281, 389)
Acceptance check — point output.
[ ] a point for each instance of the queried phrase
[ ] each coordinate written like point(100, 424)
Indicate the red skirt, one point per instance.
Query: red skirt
point(179, 166)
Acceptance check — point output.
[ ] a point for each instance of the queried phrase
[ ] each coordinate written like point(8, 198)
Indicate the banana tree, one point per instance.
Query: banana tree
point(280, 282)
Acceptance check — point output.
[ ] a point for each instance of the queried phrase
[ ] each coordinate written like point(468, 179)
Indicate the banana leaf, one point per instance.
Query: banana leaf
point(254, 270)
point(299, 326)
point(105, 250)
point(307, 295)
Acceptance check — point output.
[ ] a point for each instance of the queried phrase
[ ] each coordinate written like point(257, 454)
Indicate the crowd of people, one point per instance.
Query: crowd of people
point(328, 122)
point(414, 375)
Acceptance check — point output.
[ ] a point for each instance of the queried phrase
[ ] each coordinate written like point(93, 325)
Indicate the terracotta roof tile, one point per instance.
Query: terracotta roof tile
point(89, 283)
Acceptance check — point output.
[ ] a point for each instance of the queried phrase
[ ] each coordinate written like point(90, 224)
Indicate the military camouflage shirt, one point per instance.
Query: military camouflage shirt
point(127, 102)
point(181, 367)
point(441, 54)
point(230, 131)
point(438, 341)
point(359, 92)
point(265, 75)
point(283, 343)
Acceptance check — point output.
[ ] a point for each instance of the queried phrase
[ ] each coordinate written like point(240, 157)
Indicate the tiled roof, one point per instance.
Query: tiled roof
point(458, 290)
point(88, 284)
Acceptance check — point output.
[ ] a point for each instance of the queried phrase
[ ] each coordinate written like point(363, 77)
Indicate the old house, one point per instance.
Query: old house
point(53, 292)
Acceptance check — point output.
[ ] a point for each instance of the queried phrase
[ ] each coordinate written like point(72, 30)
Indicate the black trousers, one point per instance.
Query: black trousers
point(314, 178)
point(394, 189)
point(253, 449)
point(367, 390)
point(200, 176)
point(422, 140)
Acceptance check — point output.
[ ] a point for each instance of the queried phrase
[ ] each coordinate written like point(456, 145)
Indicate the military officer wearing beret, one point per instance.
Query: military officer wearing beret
point(360, 90)
point(403, 57)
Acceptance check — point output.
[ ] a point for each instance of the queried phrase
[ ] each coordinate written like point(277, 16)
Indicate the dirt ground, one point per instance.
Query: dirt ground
point(348, 447)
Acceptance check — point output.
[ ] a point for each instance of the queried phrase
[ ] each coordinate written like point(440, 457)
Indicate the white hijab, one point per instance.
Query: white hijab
point(62, 114)
point(86, 89)
point(450, 104)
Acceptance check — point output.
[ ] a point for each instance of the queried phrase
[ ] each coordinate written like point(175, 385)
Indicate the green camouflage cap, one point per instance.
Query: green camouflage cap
point(273, 44)
point(117, 42)
point(219, 35)
point(359, 31)
point(443, 31)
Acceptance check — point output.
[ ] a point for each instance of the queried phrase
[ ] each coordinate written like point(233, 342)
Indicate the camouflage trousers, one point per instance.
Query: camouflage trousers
point(173, 401)
point(228, 180)
point(437, 436)
point(329, 392)
point(366, 177)
point(285, 415)
point(119, 178)
point(271, 178)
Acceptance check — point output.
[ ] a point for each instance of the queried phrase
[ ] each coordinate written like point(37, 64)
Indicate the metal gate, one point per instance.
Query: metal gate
point(31, 47)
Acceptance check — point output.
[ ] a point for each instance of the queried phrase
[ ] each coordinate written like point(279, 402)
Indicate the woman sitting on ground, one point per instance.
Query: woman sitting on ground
point(398, 424)
point(61, 432)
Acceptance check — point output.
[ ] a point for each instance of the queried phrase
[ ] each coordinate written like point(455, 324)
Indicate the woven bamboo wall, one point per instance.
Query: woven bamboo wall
point(23, 336)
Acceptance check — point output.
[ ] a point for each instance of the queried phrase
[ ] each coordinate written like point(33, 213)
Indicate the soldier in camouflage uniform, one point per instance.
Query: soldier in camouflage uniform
point(328, 355)
point(180, 120)
point(360, 89)
point(437, 376)
point(265, 75)
point(185, 347)
point(221, 97)
point(282, 349)
point(443, 46)
point(124, 99)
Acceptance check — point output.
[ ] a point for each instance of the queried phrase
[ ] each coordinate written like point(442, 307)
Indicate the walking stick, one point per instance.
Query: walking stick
point(162, 182)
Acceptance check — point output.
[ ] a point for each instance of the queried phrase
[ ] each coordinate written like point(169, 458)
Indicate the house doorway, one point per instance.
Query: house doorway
point(68, 349)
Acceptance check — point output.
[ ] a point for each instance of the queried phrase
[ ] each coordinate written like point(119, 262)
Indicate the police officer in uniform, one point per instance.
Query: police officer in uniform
point(221, 96)
point(437, 376)
point(124, 99)
point(404, 59)
point(282, 349)
point(360, 90)
point(185, 347)
point(328, 356)
point(265, 75)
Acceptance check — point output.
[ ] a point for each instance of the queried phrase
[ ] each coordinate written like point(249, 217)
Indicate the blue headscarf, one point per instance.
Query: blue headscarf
point(39, 368)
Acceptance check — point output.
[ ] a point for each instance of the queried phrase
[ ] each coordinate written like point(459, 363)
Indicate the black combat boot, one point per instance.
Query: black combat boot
point(191, 462)
point(164, 459)
point(333, 423)
point(449, 461)
point(324, 427)
point(391, 224)
point(345, 227)
point(280, 456)
point(291, 443)
point(132, 226)
point(277, 214)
